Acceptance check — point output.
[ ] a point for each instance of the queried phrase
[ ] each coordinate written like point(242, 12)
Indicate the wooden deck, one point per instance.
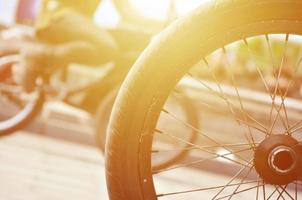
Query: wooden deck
point(35, 167)
point(56, 159)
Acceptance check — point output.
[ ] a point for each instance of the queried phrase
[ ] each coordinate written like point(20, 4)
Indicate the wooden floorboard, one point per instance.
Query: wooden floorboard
point(60, 161)
point(33, 167)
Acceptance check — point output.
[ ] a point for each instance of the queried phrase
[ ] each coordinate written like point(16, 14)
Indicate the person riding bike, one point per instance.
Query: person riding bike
point(64, 33)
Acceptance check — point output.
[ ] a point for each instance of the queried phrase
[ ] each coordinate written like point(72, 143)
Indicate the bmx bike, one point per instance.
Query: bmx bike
point(99, 95)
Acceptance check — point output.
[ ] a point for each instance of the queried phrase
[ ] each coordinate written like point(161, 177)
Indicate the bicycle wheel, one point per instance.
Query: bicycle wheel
point(102, 118)
point(181, 104)
point(18, 107)
point(262, 137)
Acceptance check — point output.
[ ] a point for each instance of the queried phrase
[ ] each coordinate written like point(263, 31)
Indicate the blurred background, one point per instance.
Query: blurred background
point(56, 156)
point(106, 13)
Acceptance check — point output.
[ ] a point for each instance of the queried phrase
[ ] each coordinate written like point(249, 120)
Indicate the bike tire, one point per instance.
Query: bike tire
point(158, 69)
point(24, 117)
point(161, 66)
point(27, 113)
point(103, 115)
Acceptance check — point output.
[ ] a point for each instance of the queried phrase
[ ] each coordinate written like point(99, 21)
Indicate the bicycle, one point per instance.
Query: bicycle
point(258, 140)
point(99, 94)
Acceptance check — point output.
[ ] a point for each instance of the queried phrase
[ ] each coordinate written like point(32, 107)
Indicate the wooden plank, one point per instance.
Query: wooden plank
point(36, 167)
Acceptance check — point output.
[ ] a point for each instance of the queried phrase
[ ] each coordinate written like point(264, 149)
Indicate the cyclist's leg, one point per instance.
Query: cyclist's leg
point(68, 26)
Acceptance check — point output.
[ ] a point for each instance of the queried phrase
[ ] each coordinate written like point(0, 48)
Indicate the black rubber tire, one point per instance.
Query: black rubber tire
point(162, 64)
point(103, 115)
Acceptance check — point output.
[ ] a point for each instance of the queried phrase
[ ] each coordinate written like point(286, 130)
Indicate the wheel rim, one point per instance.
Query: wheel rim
point(173, 151)
point(183, 105)
point(19, 107)
point(242, 180)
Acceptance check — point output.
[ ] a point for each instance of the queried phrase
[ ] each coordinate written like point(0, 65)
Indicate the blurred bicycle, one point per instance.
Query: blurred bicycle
point(52, 81)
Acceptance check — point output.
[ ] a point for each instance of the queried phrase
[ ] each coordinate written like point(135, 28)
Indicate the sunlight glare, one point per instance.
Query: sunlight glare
point(226, 154)
point(106, 15)
point(158, 9)
point(185, 6)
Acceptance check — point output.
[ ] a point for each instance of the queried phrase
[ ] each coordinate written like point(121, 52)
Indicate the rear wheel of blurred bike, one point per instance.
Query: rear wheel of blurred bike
point(241, 62)
point(18, 108)
point(181, 105)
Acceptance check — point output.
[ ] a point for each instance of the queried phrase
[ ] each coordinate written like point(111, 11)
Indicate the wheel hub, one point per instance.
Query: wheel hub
point(277, 158)
point(282, 159)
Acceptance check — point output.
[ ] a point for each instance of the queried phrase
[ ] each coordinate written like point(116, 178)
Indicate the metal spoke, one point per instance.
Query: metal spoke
point(275, 119)
point(203, 189)
point(274, 95)
point(260, 73)
point(238, 96)
point(242, 180)
point(296, 190)
point(296, 127)
point(238, 192)
point(272, 193)
point(277, 84)
point(297, 66)
point(276, 190)
point(193, 148)
point(257, 193)
point(212, 107)
point(237, 93)
point(204, 149)
point(201, 133)
point(273, 64)
point(263, 190)
point(218, 94)
point(232, 179)
point(280, 193)
point(284, 190)
point(199, 161)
